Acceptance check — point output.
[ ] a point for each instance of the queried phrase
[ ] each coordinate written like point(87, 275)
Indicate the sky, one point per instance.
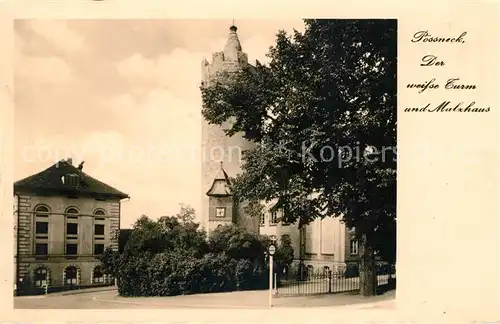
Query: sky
point(123, 96)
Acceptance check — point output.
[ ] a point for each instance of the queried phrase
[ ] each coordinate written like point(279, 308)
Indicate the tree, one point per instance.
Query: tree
point(123, 237)
point(166, 234)
point(284, 255)
point(237, 243)
point(324, 114)
point(186, 214)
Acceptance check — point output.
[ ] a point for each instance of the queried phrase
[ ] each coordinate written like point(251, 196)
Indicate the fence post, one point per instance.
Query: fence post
point(329, 281)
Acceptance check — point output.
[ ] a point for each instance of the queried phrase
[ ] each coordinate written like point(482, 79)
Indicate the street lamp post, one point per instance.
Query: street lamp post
point(272, 249)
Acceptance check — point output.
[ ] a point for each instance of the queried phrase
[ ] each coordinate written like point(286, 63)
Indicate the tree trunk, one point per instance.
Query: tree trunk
point(367, 277)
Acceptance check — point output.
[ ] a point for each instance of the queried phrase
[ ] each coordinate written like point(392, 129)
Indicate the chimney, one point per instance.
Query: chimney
point(70, 161)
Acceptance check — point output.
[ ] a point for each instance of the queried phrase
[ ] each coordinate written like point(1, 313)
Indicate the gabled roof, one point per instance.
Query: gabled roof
point(53, 181)
point(220, 185)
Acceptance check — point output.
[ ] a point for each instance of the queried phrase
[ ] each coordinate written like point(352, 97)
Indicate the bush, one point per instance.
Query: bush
point(171, 257)
point(352, 271)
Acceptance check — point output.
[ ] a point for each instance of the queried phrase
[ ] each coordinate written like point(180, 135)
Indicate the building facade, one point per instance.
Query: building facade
point(323, 244)
point(64, 220)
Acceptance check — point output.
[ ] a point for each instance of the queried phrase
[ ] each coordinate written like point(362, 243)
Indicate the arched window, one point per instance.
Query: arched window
point(98, 275)
point(99, 212)
point(42, 211)
point(41, 276)
point(41, 227)
point(72, 211)
point(71, 230)
point(71, 274)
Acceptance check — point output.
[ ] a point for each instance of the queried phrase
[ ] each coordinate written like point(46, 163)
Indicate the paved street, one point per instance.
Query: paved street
point(241, 299)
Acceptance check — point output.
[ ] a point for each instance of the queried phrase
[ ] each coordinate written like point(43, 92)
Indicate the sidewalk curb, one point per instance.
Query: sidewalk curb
point(81, 291)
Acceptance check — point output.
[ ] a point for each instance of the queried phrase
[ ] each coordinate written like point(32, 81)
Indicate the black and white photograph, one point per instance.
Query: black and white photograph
point(229, 163)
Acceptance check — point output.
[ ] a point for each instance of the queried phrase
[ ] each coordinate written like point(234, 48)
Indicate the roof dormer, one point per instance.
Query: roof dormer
point(70, 179)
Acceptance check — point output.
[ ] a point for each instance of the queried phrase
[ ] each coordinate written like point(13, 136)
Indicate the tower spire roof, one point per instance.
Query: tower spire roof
point(233, 43)
point(220, 185)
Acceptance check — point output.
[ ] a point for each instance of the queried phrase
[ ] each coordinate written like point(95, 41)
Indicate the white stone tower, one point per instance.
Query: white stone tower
point(217, 148)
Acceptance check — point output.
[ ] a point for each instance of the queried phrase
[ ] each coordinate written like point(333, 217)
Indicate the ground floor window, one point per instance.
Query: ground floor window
point(99, 276)
point(41, 277)
point(71, 275)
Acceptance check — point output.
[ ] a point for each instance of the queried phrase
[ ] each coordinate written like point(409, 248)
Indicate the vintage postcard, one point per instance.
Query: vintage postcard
point(222, 164)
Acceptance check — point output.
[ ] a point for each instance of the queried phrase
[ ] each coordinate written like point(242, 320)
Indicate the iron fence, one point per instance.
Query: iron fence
point(326, 282)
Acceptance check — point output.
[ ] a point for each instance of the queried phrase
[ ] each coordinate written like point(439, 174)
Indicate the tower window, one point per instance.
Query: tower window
point(220, 212)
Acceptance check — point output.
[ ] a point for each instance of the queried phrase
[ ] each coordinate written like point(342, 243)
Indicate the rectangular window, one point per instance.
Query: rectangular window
point(71, 229)
point(71, 249)
point(274, 218)
point(354, 247)
point(262, 219)
point(220, 212)
point(98, 249)
point(42, 228)
point(98, 229)
point(41, 249)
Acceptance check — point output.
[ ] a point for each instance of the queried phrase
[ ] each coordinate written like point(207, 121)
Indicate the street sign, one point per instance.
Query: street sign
point(272, 249)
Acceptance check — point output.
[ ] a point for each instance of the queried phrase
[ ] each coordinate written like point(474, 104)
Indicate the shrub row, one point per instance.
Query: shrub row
point(168, 274)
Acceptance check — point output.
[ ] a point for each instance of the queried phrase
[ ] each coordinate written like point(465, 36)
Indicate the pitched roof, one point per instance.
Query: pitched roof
point(220, 185)
point(52, 181)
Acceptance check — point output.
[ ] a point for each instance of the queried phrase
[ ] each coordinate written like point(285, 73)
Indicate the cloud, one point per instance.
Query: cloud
point(179, 71)
point(43, 70)
point(59, 35)
point(159, 121)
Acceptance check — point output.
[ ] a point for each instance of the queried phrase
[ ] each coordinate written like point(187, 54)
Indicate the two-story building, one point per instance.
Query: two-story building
point(64, 219)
